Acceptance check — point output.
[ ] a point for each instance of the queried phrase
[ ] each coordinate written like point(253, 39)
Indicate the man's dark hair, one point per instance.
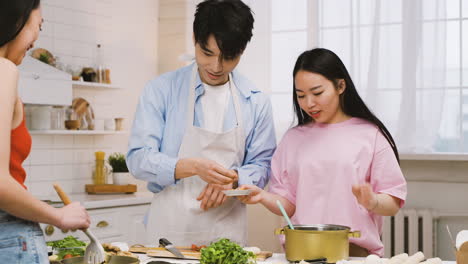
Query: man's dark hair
point(230, 22)
point(13, 17)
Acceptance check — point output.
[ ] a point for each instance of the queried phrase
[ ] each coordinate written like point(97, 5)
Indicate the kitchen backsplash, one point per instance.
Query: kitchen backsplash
point(71, 31)
point(64, 159)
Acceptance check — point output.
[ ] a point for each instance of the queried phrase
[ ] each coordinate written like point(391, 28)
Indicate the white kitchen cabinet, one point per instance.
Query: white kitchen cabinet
point(115, 224)
point(40, 83)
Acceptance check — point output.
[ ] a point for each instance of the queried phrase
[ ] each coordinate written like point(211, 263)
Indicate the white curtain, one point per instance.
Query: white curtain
point(396, 54)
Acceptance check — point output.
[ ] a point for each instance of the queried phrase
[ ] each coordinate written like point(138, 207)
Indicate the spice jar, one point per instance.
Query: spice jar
point(101, 170)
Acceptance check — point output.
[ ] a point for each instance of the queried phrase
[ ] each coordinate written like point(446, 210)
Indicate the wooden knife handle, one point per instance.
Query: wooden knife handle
point(62, 194)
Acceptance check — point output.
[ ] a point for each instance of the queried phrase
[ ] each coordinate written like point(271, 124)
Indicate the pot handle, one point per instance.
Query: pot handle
point(279, 231)
point(354, 234)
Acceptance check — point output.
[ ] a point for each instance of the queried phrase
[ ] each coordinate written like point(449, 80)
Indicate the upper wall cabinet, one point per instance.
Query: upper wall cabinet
point(40, 83)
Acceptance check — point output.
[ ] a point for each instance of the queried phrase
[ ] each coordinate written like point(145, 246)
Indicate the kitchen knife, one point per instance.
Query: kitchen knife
point(168, 245)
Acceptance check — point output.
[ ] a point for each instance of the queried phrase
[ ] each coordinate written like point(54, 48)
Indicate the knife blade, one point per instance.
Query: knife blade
point(168, 245)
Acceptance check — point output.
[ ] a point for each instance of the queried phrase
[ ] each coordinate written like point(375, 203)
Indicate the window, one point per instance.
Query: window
point(289, 38)
point(409, 62)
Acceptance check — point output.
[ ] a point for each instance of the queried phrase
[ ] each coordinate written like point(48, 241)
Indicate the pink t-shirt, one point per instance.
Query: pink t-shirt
point(315, 166)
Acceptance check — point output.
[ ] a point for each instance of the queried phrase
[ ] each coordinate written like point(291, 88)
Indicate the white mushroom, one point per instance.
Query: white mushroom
point(415, 259)
point(397, 259)
point(372, 259)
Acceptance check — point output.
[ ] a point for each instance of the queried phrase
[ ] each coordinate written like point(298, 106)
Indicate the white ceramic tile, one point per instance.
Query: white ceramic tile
point(85, 19)
point(40, 157)
point(47, 29)
point(64, 46)
point(41, 141)
point(44, 188)
point(64, 31)
point(103, 141)
point(45, 42)
point(103, 8)
point(83, 141)
point(62, 172)
point(65, 16)
point(63, 142)
point(64, 156)
point(78, 186)
point(40, 173)
point(83, 156)
point(48, 12)
point(82, 171)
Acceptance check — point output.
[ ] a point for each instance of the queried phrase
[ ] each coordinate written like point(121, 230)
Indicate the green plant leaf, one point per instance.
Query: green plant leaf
point(117, 162)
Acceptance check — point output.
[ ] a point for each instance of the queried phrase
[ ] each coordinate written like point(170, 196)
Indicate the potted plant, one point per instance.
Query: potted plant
point(120, 174)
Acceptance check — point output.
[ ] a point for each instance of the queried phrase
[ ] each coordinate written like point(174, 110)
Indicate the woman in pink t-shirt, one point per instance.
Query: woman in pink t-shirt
point(339, 165)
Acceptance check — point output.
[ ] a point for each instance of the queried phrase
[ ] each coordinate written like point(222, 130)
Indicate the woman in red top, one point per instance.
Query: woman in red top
point(21, 240)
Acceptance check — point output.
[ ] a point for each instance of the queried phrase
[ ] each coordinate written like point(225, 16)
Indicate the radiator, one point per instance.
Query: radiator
point(410, 231)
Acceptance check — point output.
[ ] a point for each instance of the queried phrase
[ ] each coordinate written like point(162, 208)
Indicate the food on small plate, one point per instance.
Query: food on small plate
point(115, 251)
point(237, 192)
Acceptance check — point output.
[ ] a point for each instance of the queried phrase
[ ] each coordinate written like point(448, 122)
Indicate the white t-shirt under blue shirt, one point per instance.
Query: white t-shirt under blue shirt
point(214, 103)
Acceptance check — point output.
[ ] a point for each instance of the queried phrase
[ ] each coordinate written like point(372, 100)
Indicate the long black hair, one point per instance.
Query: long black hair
point(230, 21)
point(330, 66)
point(13, 17)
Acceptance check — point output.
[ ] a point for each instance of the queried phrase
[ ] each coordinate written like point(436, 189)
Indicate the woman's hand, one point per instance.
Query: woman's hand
point(256, 196)
point(73, 216)
point(365, 196)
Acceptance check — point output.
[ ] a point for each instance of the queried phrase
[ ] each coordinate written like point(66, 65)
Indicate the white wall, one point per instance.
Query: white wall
point(127, 31)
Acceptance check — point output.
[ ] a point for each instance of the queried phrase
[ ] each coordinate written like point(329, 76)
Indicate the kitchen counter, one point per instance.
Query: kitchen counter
point(277, 258)
point(94, 201)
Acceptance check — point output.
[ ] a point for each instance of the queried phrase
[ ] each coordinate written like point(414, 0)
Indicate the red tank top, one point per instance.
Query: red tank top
point(19, 151)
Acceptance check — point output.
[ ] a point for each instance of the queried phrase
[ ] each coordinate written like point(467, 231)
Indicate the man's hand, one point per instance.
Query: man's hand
point(212, 172)
point(212, 196)
point(365, 196)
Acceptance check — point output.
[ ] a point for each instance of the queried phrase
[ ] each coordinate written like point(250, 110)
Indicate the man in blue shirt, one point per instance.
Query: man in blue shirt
point(203, 129)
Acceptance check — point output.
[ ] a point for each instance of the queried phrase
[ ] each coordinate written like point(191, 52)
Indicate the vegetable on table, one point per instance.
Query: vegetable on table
point(225, 251)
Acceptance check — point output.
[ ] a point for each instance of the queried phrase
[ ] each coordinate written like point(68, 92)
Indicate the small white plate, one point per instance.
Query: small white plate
point(237, 192)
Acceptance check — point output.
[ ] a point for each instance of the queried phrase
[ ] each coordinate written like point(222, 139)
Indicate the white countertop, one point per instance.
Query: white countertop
point(277, 258)
point(94, 201)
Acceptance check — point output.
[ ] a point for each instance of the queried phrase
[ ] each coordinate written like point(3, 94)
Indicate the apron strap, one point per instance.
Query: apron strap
point(191, 100)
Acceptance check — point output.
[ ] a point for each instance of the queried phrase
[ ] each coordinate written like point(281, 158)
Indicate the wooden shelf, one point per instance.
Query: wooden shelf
point(94, 85)
point(76, 132)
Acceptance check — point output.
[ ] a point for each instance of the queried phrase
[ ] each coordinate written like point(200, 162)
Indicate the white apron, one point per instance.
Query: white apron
point(175, 213)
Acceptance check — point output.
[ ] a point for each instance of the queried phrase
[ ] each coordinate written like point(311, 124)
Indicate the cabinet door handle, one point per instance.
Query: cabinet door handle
point(49, 230)
point(102, 224)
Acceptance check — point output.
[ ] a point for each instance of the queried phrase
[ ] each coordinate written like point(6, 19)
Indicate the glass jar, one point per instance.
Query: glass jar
point(41, 117)
point(58, 118)
point(101, 170)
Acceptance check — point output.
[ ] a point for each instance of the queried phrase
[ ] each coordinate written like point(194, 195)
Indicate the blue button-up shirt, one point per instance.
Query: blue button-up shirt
point(160, 121)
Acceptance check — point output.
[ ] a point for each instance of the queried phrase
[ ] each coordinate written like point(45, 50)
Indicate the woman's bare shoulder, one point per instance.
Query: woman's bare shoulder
point(8, 72)
point(8, 68)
